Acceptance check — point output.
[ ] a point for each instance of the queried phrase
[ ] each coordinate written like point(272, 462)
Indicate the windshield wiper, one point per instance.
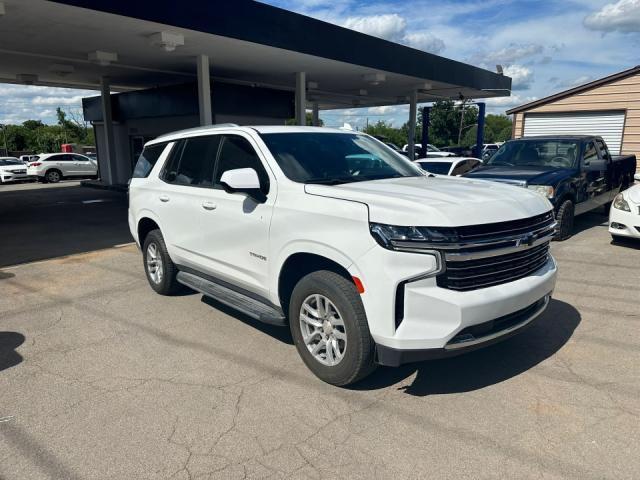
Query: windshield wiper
point(328, 181)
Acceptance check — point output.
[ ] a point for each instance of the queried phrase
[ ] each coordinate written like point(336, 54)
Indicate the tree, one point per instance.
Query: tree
point(309, 115)
point(444, 122)
point(386, 132)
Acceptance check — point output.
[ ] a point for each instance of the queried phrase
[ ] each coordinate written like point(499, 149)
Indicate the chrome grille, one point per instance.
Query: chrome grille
point(493, 254)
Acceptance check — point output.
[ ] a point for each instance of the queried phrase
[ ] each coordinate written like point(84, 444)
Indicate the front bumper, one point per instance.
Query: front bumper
point(625, 224)
point(478, 336)
point(431, 316)
point(16, 177)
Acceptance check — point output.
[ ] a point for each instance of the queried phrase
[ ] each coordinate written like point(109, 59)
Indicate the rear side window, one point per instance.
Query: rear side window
point(193, 162)
point(147, 160)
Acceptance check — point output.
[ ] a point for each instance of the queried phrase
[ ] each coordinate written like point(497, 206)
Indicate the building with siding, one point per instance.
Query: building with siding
point(609, 107)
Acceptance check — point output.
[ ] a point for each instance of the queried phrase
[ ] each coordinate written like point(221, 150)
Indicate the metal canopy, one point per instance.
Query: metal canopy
point(246, 42)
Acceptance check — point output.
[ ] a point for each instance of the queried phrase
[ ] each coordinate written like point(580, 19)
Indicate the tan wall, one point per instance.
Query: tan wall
point(622, 94)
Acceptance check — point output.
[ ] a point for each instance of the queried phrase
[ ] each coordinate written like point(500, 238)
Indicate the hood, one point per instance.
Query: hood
point(634, 194)
point(438, 200)
point(12, 167)
point(522, 175)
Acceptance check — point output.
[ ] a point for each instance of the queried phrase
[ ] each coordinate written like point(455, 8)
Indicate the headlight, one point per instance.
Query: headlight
point(620, 203)
point(544, 190)
point(412, 239)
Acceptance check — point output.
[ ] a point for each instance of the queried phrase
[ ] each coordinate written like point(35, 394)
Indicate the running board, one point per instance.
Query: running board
point(236, 300)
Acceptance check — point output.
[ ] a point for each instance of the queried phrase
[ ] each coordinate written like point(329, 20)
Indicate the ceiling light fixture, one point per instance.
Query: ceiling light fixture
point(166, 40)
point(2, 10)
point(103, 59)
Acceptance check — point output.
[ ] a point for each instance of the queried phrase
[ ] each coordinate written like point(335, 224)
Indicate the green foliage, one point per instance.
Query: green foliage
point(386, 132)
point(35, 136)
point(309, 115)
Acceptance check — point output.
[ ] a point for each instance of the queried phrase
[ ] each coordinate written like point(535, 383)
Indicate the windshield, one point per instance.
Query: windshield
point(6, 162)
point(537, 153)
point(333, 158)
point(431, 148)
point(439, 168)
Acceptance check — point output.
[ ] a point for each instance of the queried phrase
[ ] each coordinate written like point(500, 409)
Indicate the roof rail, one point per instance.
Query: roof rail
point(202, 128)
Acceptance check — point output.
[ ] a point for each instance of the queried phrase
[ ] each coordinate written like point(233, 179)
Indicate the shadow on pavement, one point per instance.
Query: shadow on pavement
point(282, 334)
point(48, 222)
point(488, 366)
point(595, 218)
point(9, 357)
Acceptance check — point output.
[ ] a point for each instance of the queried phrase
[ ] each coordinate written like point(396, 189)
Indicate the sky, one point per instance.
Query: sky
point(546, 46)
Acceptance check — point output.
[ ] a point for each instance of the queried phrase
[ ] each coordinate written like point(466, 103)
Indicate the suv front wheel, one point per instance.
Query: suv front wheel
point(329, 328)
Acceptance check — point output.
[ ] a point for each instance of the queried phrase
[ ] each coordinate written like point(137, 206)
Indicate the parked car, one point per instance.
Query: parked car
point(576, 173)
point(328, 231)
point(449, 166)
point(624, 215)
point(53, 167)
point(27, 158)
point(432, 151)
point(13, 170)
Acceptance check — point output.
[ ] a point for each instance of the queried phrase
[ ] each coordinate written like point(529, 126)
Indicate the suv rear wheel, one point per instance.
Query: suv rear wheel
point(330, 329)
point(161, 271)
point(53, 176)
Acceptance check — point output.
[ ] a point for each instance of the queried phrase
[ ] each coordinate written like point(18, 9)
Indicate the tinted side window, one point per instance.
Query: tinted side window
point(147, 160)
point(604, 152)
point(55, 158)
point(80, 158)
point(237, 152)
point(194, 163)
point(590, 153)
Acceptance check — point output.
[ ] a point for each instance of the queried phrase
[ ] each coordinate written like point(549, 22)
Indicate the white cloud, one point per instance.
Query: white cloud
point(29, 102)
point(393, 27)
point(389, 26)
point(59, 101)
point(623, 16)
point(513, 53)
point(521, 76)
point(424, 41)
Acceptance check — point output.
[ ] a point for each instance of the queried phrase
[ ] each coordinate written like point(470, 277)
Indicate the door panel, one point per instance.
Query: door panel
point(234, 238)
point(595, 168)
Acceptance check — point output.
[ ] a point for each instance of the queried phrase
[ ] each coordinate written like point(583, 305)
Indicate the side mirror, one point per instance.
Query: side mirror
point(243, 180)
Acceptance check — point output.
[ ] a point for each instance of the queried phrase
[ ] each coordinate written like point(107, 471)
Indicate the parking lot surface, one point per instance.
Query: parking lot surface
point(102, 378)
point(44, 221)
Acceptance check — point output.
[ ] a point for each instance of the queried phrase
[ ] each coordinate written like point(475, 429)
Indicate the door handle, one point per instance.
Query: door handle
point(209, 206)
point(164, 198)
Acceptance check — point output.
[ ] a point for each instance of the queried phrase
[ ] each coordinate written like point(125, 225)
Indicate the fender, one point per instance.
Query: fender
point(306, 246)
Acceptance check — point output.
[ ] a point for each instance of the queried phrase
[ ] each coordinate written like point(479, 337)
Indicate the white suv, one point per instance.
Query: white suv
point(53, 167)
point(367, 259)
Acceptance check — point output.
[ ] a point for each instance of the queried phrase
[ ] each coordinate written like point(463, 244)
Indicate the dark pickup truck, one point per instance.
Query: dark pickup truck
point(576, 173)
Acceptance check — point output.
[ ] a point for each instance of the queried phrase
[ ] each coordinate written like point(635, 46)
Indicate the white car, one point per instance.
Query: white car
point(366, 259)
point(13, 170)
point(448, 166)
point(432, 151)
point(53, 167)
point(624, 215)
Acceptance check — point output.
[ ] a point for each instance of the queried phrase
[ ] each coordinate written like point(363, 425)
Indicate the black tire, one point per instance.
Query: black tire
point(565, 218)
point(53, 176)
point(358, 360)
point(167, 284)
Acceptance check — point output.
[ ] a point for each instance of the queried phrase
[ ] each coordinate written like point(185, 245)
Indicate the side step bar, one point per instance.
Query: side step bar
point(236, 300)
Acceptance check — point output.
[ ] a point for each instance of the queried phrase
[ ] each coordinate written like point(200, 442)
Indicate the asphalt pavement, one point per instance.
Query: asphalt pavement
point(100, 378)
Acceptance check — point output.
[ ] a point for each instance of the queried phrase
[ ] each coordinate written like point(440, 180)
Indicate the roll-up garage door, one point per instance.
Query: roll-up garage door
point(609, 125)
